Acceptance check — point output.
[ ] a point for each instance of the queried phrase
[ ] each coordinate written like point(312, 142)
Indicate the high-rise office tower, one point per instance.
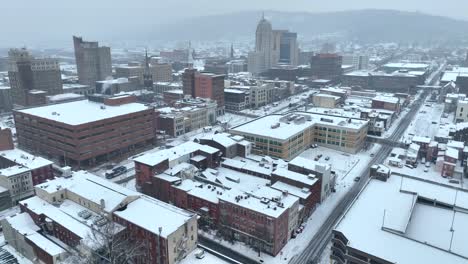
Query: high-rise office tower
point(285, 48)
point(93, 62)
point(272, 47)
point(27, 73)
point(466, 60)
point(147, 76)
point(261, 59)
point(360, 62)
point(188, 82)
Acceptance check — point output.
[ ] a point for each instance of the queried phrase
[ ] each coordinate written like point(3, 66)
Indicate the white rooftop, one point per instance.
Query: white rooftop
point(285, 173)
point(91, 187)
point(387, 99)
point(83, 111)
point(410, 231)
point(151, 214)
point(24, 225)
point(24, 158)
point(152, 159)
point(406, 65)
point(261, 200)
point(264, 126)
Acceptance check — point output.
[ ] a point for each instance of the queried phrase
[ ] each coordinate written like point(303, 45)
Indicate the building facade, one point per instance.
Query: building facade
point(326, 66)
point(104, 128)
point(289, 135)
point(27, 73)
point(93, 62)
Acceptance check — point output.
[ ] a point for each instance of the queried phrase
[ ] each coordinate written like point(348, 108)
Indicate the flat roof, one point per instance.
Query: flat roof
point(408, 231)
point(151, 214)
point(406, 65)
point(91, 187)
point(264, 126)
point(24, 225)
point(82, 112)
point(293, 190)
point(261, 200)
point(388, 99)
point(174, 153)
point(285, 173)
point(24, 158)
point(13, 170)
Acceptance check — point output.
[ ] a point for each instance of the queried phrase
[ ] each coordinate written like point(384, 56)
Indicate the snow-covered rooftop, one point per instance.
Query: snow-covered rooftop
point(25, 159)
point(406, 65)
point(13, 170)
point(387, 99)
point(83, 111)
point(408, 231)
point(154, 158)
point(285, 173)
point(151, 214)
point(267, 126)
point(223, 139)
point(261, 201)
point(91, 187)
point(24, 225)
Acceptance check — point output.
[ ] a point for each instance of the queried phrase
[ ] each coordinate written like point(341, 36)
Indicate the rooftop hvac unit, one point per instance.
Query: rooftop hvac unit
point(276, 125)
point(328, 120)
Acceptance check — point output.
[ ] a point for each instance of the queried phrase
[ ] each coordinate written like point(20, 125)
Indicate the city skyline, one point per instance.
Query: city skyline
point(105, 17)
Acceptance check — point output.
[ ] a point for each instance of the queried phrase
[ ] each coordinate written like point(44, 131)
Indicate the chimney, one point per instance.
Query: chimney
point(103, 204)
point(6, 139)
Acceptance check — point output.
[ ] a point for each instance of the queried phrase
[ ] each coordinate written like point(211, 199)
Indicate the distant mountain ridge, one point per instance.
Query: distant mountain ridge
point(365, 25)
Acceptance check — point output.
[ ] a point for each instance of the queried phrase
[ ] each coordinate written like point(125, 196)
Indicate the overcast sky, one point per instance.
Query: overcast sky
point(23, 20)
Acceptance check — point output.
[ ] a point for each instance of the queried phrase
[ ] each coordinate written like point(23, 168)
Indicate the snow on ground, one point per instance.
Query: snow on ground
point(130, 185)
point(427, 122)
point(208, 259)
point(432, 174)
point(325, 257)
point(233, 119)
point(347, 167)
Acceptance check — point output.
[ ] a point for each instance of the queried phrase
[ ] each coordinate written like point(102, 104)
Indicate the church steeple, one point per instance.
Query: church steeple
point(231, 55)
point(147, 76)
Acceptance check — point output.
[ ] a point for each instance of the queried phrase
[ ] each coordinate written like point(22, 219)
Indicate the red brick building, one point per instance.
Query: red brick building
point(6, 139)
point(150, 164)
point(171, 96)
point(40, 168)
point(86, 132)
point(209, 85)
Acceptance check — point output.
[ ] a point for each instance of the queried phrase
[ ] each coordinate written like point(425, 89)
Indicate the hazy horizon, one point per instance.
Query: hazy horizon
point(32, 23)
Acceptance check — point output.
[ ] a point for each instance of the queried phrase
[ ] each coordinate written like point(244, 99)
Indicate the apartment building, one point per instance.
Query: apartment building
point(149, 164)
point(286, 136)
point(181, 119)
point(67, 212)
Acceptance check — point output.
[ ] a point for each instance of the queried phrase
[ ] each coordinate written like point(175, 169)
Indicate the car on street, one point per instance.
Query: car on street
point(357, 179)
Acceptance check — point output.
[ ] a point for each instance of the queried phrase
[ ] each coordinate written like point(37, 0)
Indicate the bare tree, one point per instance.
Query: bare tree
point(110, 243)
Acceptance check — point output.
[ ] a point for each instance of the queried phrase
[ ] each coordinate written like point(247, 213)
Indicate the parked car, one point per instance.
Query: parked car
point(357, 179)
point(426, 169)
point(428, 164)
point(327, 158)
